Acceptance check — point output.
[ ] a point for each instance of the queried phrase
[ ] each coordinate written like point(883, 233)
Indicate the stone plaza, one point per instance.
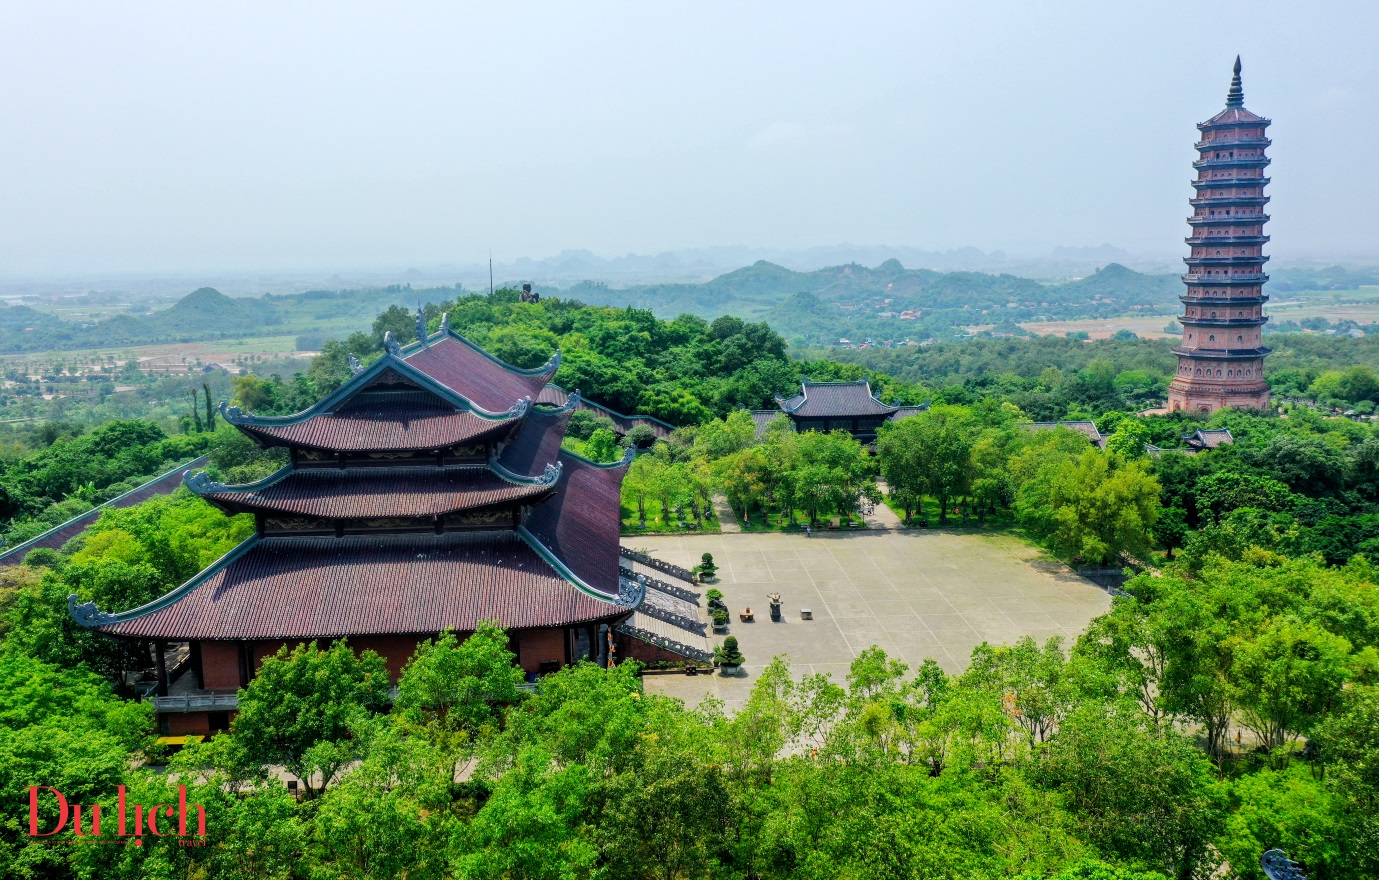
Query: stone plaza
point(918, 594)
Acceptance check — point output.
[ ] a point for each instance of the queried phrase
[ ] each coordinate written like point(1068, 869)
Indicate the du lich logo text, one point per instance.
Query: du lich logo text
point(87, 820)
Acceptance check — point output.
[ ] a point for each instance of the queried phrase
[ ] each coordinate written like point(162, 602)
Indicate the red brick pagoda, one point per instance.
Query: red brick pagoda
point(427, 494)
point(1221, 358)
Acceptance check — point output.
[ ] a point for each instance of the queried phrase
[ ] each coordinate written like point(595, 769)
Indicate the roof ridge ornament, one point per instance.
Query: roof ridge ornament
point(571, 402)
point(86, 613)
point(421, 329)
point(233, 414)
point(201, 483)
point(355, 366)
point(548, 477)
point(1235, 98)
point(1277, 866)
point(445, 323)
point(391, 345)
point(550, 474)
point(518, 409)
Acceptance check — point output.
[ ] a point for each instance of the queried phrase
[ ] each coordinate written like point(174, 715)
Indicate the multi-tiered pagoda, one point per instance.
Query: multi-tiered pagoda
point(1221, 358)
point(427, 494)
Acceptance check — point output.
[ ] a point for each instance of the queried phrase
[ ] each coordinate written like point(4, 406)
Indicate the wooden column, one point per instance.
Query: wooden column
point(158, 652)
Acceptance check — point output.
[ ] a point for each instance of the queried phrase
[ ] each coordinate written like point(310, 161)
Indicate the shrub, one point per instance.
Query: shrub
point(583, 424)
point(707, 567)
point(728, 654)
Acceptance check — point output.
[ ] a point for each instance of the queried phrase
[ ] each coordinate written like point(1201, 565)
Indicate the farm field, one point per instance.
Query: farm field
point(1361, 306)
point(210, 351)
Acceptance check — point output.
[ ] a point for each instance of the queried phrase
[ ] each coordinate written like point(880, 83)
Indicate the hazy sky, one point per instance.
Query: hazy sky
point(150, 137)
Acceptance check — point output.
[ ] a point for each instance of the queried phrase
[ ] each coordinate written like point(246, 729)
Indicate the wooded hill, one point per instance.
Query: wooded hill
point(817, 307)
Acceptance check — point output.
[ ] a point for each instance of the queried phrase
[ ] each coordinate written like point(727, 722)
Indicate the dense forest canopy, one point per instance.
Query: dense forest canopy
point(1254, 614)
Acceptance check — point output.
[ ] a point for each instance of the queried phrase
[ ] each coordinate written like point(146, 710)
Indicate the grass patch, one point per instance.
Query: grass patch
point(1000, 521)
point(663, 522)
point(776, 522)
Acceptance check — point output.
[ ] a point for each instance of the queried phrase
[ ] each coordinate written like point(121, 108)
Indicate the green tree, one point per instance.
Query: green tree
point(299, 708)
point(942, 452)
point(1287, 676)
point(1138, 792)
point(603, 446)
point(1103, 508)
point(458, 688)
point(1221, 492)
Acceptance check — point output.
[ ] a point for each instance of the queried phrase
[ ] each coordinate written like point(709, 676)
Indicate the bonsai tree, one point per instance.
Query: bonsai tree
point(727, 654)
point(720, 617)
point(713, 595)
point(706, 567)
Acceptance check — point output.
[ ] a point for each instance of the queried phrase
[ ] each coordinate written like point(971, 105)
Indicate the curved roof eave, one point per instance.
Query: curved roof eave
point(628, 597)
point(88, 615)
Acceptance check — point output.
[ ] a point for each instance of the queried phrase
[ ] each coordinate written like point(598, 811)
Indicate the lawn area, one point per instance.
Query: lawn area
point(999, 521)
point(662, 522)
point(777, 522)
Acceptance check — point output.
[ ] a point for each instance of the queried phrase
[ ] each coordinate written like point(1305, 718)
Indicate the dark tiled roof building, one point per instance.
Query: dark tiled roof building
point(1086, 428)
point(835, 406)
point(429, 493)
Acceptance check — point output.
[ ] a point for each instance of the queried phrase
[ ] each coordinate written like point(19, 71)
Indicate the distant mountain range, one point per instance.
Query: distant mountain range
point(892, 302)
point(819, 306)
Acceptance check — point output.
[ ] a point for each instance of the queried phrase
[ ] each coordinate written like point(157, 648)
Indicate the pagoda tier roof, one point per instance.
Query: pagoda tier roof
point(383, 427)
point(367, 493)
point(842, 399)
point(1233, 116)
point(536, 444)
point(1226, 182)
point(460, 365)
point(389, 406)
point(581, 523)
point(301, 588)
point(1222, 353)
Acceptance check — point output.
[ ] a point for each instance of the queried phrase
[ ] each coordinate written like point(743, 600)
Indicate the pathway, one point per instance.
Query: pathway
point(882, 517)
point(727, 520)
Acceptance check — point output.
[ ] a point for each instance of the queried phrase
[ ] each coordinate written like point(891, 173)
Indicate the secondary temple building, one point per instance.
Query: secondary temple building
point(428, 493)
point(1221, 358)
point(835, 406)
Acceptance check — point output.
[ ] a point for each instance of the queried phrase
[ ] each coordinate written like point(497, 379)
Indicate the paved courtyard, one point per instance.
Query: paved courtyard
point(917, 594)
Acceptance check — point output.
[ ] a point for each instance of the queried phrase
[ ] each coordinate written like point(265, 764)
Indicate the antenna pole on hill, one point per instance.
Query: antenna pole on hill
point(490, 273)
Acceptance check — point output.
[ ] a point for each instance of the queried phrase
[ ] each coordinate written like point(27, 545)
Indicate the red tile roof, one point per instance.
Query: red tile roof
point(473, 374)
point(581, 522)
point(536, 443)
point(364, 493)
point(384, 426)
point(296, 588)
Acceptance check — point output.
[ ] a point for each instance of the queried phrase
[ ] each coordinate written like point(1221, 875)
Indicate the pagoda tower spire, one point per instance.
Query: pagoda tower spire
point(1221, 355)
